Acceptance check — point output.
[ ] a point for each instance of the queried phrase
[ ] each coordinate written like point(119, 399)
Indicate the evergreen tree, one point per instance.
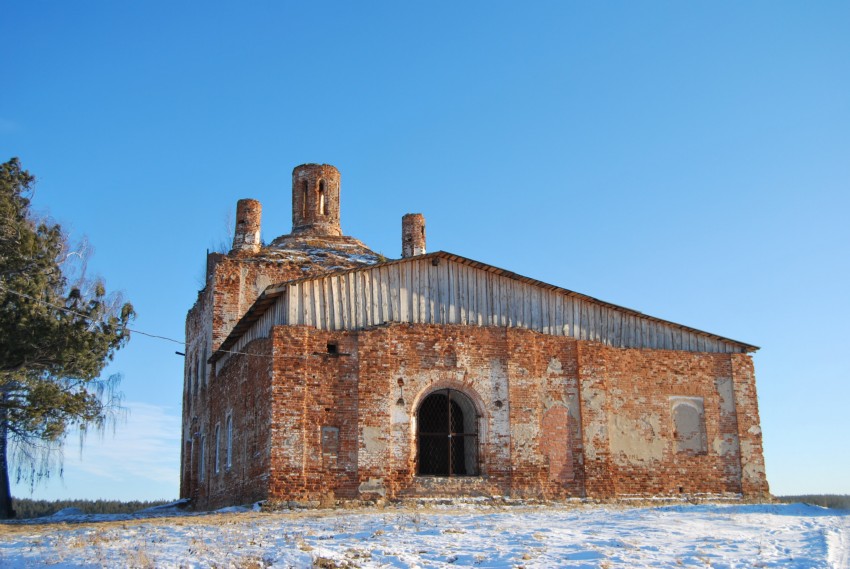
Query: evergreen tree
point(57, 332)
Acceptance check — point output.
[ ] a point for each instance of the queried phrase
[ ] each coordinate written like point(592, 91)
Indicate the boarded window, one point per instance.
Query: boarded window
point(330, 446)
point(555, 444)
point(688, 425)
point(330, 441)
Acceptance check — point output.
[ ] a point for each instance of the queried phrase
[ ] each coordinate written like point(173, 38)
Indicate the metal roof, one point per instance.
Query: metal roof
point(272, 292)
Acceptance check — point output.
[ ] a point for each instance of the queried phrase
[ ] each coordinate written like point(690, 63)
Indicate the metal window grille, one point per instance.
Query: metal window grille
point(447, 429)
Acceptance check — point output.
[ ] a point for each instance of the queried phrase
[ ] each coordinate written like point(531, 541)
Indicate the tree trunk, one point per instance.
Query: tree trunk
point(6, 510)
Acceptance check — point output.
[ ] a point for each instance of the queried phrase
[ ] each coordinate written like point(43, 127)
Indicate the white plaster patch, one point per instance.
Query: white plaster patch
point(597, 433)
point(372, 440)
point(752, 470)
point(725, 390)
point(497, 371)
point(555, 367)
point(594, 399)
point(725, 446)
point(636, 440)
point(399, 415)
point(373, 486)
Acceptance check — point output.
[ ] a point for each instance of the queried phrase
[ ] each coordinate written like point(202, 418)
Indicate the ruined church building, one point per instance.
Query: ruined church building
point(316, 370)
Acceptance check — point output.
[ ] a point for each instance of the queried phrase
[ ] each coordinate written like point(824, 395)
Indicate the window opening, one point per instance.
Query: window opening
point(228, 456)
point(202, 459)
point(330, 441)
point(447, 435)
point(197, 374)
point(689, 433)
point(304, 201)
point(205, 378)
point(217, 447)
point(322, 208)
point(333, 348)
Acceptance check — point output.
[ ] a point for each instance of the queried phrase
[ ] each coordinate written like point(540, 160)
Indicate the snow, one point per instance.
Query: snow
point(471, 534)
point(170, 508)
point(67, 513)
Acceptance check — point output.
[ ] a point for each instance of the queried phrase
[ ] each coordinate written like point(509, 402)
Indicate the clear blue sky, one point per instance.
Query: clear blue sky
point(689, 160)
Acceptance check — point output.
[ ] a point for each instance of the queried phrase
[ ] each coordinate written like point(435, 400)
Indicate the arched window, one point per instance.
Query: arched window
point(689, 425)
point(205, 378)
point(202, 466)
point(217, 462)
point(447, 435)
point(228, 455)
point(304, 201)
point(197, 373)
point(322, 206)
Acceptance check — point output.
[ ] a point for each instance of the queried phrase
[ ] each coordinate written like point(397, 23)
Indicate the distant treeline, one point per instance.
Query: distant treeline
point(25, 508)
point(837, 501)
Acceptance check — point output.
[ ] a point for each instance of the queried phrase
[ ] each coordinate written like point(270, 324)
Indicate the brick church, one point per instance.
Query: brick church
point(319, 370)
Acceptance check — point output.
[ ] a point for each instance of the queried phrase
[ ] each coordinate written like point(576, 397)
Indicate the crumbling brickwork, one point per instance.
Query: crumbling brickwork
point(533, 424)
point(234, 281)
point(239, 398)
point(356, 403)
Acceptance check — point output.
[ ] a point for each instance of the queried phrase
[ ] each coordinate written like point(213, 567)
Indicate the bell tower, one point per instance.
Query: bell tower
point(315, 200)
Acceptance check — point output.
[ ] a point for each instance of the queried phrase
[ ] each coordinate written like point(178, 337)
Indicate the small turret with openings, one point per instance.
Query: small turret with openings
point(315, 200)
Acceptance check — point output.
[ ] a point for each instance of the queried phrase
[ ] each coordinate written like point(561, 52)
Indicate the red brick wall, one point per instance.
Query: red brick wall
point(313, 388)
point(754, 481)
point(627, 405)
point(558, 397)
point(544, 389)
point(557, 417)
point(233, 284)
point(243, 392)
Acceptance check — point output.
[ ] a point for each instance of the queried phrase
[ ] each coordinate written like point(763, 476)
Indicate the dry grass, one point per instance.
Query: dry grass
point(234, 546)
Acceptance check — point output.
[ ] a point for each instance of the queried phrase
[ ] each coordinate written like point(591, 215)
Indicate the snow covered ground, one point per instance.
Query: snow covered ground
point(447, 535)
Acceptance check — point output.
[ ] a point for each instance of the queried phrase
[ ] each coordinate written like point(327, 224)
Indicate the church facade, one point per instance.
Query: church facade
point(317, 370)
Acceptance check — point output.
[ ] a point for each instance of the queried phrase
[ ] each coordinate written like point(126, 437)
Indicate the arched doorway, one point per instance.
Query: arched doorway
point(447, 435)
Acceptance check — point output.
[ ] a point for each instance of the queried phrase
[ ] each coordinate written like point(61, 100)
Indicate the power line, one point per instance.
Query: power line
point(134, 331)
point(86, 317)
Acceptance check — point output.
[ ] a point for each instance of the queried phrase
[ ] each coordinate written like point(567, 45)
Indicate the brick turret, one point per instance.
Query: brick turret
point(315, 200)
point(246, 237)
point(412, 235)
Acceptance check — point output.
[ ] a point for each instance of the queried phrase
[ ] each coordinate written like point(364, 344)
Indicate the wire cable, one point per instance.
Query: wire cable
point(86, 317)
point(134, 331)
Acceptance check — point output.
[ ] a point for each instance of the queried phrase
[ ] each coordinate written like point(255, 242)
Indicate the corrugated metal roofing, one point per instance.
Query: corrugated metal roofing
point(270, 295)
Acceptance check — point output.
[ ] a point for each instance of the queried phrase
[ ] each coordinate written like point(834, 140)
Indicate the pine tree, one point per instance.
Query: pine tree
point(58, 330)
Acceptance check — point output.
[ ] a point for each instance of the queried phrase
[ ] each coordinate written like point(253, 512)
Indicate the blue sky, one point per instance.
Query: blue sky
point(688, 160)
